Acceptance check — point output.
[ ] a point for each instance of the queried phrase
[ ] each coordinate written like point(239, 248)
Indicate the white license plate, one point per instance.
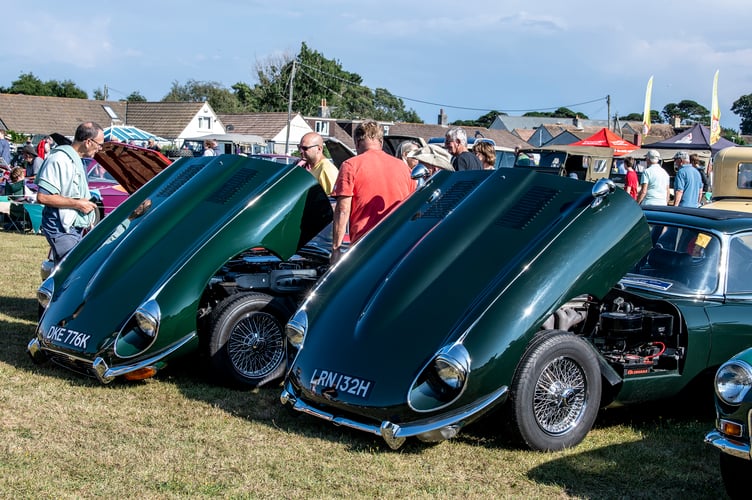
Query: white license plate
point(327, 380)
point(66, 337)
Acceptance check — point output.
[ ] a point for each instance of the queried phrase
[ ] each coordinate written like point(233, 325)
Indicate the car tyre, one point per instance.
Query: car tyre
point(734, 472)
point(556, 392)
point(247, 344)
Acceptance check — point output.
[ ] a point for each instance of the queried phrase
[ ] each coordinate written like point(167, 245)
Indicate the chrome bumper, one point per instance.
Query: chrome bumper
point(99, 367)
point(736, 449)
point(430, 429)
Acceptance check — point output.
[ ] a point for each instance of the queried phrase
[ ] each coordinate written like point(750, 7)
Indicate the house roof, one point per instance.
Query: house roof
point(530, 122)
point(267, 125)
point(28, 114)
point(165, 119)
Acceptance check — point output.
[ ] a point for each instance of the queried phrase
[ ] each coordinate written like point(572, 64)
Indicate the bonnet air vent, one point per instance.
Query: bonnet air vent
point(234, 184)
point(453, 196)
point(527, 208)
point(184, 176)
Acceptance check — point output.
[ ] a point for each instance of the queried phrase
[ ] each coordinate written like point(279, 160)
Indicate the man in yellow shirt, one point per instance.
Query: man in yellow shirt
point(311, 149)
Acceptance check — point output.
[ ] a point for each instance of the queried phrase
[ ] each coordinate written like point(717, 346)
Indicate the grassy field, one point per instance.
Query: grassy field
point(66, 436)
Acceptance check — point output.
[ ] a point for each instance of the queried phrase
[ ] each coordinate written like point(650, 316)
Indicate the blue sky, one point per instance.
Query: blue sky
point(467, 58)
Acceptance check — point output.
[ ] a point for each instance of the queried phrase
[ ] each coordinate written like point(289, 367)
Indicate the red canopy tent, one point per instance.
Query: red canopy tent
point(606, 139)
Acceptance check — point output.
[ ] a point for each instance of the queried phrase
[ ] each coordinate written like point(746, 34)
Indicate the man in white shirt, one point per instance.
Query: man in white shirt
point(654, 188)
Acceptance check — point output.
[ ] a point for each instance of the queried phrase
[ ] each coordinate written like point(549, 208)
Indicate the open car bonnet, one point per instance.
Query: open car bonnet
point(168, 239)
point(470, 251)
point(132, 166)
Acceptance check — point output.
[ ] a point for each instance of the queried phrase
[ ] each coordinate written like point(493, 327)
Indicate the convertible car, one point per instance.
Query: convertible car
point(212, 254)
point(542, 297)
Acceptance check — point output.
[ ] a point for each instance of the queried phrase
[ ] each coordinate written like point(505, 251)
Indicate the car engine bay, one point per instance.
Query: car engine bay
point(635, 336)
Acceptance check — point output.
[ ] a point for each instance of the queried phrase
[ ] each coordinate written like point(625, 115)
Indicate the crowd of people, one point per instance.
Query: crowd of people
point(690, 181)
point(365, 188)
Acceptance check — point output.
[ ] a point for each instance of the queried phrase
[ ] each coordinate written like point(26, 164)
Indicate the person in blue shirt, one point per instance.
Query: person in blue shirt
point(64, 190)
point(4, 148)
point(687, 183)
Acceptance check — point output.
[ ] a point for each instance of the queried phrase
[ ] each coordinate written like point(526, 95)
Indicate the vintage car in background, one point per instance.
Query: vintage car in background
point(461, 302)
point(588, 163)
point(209, 255)
point(732, 179)
point(733, 425)
point(246, 144)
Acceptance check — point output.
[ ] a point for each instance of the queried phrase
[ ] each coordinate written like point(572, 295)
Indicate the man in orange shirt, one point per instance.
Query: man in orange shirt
point(368, 186)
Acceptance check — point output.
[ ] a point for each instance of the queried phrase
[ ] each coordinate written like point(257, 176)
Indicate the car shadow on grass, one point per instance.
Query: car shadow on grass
point(17, 330)
point(662, 454)
point(191, 376)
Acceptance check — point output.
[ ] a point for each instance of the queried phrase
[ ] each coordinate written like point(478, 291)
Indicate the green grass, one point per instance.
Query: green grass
point(177, 436)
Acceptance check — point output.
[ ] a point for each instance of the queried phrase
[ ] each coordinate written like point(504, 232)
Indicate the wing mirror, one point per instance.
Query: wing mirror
point(601, 189)
point(420, 173)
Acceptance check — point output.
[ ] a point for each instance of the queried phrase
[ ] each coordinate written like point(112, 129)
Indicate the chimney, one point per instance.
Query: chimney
point(637, 140)
point(324, 109)
point(443, 120)
point(677, 121)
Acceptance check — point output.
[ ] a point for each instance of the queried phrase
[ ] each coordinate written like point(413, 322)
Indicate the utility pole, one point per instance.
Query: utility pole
point(289, 108)
point(104, 94)
point(608, 107)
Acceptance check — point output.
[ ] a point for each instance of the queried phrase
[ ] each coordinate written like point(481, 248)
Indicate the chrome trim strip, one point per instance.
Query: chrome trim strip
point(734, 448)
point(106, 374)
point(457, 418)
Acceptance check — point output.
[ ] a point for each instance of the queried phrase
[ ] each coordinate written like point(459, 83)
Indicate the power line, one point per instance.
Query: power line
point(451, 106)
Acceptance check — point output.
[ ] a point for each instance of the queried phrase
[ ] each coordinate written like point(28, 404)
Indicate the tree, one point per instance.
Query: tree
point(28, 84)
point(688, 111)
point(655, 117)
point(219, 98)
point(484, 121)
point(135, 96)
point(742, 107)
point(559, 113)
point(66, 88)
point(391, 108)
point(318, 79)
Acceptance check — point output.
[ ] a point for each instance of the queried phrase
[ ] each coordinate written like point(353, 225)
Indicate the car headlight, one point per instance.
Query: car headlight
point(140, 331)
point(296, 328)
point(45, 291)
point(733, 381)
point(450, 370)
point(442, 380)
point(147, 318)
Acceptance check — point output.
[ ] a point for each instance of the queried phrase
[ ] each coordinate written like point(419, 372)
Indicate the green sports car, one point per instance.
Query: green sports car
point(211, 255)
point(733, 428)
point(542, 297)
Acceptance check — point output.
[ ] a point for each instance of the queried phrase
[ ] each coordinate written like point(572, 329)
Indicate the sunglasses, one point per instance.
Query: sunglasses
point(306, 148)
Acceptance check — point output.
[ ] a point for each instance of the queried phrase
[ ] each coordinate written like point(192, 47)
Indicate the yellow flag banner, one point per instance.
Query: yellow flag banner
point(646, 111)
point(715, 114)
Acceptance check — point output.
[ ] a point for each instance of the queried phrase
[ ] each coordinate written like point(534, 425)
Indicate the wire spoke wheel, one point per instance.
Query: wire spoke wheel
point(247, 342)
point(559, 397)
point(556, 392)
point(256, 345)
